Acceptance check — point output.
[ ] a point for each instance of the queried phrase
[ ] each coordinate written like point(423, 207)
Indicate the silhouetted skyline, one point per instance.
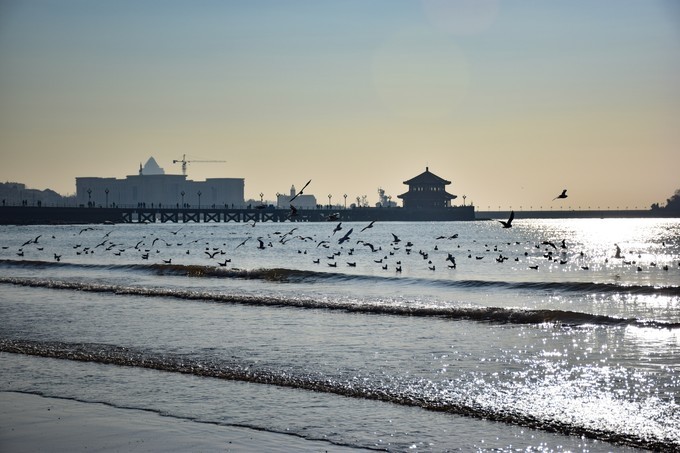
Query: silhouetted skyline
point(511, 101)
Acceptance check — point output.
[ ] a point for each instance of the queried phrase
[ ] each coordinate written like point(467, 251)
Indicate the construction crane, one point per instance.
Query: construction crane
point(184, 162)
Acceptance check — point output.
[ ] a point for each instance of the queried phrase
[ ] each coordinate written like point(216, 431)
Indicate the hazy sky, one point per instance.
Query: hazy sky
point(512, 101)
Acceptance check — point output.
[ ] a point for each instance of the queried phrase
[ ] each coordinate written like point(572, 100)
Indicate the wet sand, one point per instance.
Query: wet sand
point(32, 423)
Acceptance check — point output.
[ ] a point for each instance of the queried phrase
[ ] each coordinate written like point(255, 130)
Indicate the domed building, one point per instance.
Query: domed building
point(152, 187)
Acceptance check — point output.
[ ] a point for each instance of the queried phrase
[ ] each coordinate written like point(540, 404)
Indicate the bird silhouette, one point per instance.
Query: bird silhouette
point(370, 225)
point(346, 236)
point(301, 191)
point(371, 246)
point(242, 243)
point(562, 195)
point(508, 223)
point(293, 212)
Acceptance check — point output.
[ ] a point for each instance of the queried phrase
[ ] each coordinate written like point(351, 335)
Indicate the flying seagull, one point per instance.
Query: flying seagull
point(346, 236)
point(301, 191)
point(293, 212)
point(508, 223)
point(370, 225)
point(562, 195)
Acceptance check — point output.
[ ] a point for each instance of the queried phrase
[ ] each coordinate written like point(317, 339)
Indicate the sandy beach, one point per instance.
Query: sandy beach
point(32, 423)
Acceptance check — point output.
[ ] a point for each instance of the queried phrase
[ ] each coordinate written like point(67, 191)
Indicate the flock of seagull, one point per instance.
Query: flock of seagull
point(341, 244)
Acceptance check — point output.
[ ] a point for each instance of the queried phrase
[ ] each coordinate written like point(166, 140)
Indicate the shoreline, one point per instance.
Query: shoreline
point(31, 422)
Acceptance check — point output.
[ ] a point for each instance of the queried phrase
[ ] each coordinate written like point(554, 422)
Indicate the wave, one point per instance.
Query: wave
point(284, 275)
point(496, 315)
point(410, 394)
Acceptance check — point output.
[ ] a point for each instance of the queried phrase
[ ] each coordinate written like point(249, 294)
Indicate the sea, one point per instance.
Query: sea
point(551, 335)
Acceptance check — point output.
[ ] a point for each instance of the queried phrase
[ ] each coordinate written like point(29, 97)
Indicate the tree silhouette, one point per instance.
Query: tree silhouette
point(674, 201)
point(672, 204)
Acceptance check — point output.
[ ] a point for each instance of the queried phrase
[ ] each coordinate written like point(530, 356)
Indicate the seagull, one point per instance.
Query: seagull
point(508, 223)
point(242, 243)
point(301, 191)
point(346, 236)
point(551, 244)
point(562, 195)
point(337, 228)
point(293, 212)
point(368, 244)
point(396, 238)
point(370, 225)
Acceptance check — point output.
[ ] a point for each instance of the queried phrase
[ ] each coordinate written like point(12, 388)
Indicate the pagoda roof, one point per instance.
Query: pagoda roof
point(427, 177)
point(443, 194)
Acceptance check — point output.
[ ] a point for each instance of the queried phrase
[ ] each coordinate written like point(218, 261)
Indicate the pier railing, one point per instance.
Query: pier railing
point(23, 215)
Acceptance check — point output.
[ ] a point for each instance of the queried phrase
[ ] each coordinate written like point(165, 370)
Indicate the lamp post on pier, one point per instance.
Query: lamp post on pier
point(345, 197)
point(182, 194)
point(106, 191)
point(89, 198)
point(329, 200)
point(199, 199)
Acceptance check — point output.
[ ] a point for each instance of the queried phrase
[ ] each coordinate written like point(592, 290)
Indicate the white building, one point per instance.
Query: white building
point(301, 202)
point(153, 188)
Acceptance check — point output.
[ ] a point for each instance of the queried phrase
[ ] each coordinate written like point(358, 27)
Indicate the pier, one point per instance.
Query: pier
point(34, 215)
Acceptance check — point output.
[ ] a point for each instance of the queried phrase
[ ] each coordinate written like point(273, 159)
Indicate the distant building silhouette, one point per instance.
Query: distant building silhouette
point(427, 190)
point(153, 187)
point(301, 201)
point(17, 194)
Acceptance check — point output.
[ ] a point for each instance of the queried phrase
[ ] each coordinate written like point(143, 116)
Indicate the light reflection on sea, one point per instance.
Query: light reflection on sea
point(585, 344)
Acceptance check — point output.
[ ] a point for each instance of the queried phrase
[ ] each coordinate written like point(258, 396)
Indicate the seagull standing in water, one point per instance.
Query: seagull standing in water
point(562, 195)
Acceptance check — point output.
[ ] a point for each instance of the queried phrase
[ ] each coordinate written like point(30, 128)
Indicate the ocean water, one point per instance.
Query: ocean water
point(540, 338)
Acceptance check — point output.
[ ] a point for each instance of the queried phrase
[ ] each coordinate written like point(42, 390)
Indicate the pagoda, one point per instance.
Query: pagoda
point(427, 190)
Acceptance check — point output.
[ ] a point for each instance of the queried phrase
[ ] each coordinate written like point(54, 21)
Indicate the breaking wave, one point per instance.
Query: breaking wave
point(284, 275)
point(496, 315)
point(411, 393)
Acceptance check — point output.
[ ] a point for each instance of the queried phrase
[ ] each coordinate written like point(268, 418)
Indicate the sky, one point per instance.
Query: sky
point(511, 101)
